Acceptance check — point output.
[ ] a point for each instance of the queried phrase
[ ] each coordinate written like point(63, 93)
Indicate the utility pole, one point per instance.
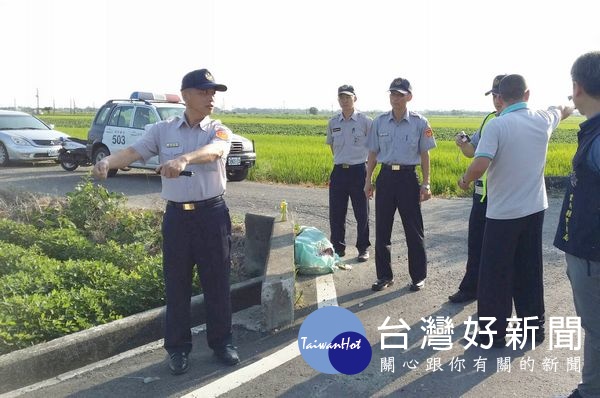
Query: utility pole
point(37, 96)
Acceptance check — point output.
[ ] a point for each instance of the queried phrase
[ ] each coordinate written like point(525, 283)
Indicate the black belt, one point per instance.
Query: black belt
point(397, 167)
point(348, 166)
point(195, 205)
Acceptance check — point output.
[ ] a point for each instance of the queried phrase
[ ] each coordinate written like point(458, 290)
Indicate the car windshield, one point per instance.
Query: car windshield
point(167, 113)
point(21, 122)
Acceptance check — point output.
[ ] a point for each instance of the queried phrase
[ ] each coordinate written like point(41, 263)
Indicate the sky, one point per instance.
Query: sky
point(291, 54)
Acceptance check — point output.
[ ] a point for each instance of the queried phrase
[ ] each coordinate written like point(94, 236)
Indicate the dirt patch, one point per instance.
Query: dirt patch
point(238, 241)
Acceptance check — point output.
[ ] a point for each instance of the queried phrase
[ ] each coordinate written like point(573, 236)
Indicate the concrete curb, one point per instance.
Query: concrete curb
point(46, 360)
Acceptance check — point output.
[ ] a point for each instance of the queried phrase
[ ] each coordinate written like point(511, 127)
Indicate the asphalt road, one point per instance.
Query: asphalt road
point(542, 372)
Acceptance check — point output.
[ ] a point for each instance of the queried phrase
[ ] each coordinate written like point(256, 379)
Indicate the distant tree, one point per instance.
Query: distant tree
point(313, 111)
point(47, 109)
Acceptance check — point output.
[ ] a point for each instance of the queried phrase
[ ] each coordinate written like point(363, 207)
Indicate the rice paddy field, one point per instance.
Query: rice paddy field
point(291, 149)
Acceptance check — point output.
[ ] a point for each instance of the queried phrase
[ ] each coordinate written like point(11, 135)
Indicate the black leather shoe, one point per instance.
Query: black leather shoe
point(497, 342)
point(461, 297)
point(178, 363)
point(416, 286)
point(363, 256)
point(575, 394)
point(381, 284)
point(540, 335)
point(228, 355)
point(340, 253)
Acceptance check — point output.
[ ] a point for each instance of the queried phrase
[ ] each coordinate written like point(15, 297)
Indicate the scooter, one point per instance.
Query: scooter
point(73, 154)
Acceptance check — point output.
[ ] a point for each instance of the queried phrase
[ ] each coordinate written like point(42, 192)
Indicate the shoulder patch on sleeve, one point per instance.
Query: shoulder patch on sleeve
point(428, 131)
point(222, 134)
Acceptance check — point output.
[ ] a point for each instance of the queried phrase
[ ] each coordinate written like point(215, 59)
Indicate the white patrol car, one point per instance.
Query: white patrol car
point(120, 123)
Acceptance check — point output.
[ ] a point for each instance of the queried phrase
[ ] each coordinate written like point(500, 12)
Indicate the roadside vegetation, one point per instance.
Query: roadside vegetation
point(70, 264)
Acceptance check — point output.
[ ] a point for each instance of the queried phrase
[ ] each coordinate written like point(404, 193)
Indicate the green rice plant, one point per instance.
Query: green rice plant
point(308, 160)
point(291, 159)
point(83, 120)
point(558, 161)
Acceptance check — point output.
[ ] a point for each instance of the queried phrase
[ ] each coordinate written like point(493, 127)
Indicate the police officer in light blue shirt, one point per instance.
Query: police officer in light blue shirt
point(196, 226)
point(400, 140)
point(347, 135)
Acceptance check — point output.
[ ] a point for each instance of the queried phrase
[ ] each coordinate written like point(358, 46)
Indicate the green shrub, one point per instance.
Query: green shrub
point(65, 244)
point(31, 319)
point(10, 256)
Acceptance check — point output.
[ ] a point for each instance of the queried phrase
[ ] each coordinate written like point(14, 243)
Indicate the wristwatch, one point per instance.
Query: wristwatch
point(426, 186)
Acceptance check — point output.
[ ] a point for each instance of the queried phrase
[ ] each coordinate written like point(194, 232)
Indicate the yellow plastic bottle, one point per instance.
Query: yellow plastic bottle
point(283, 208)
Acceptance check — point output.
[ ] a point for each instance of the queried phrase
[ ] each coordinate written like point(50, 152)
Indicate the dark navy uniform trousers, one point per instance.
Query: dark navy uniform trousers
point(348, 182)
point(475, 241)
point(511, 269)
point(399, 189)
point(197, 238)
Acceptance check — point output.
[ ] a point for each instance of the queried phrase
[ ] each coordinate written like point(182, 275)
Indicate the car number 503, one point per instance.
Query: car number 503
point(118, 139)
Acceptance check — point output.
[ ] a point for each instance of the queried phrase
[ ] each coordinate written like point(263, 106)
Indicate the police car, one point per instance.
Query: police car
point(120, 123)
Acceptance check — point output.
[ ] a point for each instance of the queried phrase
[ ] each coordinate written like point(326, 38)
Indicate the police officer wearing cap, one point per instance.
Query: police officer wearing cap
point(347, 135)
point(196, 226)
point(467, 289)
point(400, 140)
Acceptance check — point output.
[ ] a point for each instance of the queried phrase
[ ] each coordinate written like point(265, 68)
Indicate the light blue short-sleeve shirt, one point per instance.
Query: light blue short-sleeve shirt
point(171, 139)
point(400, 142)
point(348, 138)
point(517, 143)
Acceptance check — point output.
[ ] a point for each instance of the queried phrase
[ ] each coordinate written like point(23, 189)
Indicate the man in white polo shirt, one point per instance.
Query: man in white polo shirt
point(514, 148)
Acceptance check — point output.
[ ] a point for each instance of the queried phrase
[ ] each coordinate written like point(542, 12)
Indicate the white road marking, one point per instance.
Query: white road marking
point(326, 296)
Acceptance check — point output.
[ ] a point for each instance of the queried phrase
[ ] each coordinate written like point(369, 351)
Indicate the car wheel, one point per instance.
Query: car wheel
point(237, 175)
point(3, 155)
point(100, 154)
point(69, 166)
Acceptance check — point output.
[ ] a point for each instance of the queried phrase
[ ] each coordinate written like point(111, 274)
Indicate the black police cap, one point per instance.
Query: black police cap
point(202, 79)
point(401, 85)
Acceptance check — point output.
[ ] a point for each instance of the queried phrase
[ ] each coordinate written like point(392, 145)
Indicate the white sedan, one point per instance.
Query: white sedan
point(25, 138)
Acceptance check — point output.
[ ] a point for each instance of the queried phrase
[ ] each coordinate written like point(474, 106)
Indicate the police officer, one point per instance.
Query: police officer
point(347, 136)
point(467, 289)
point(196, 226)
point(399, 140)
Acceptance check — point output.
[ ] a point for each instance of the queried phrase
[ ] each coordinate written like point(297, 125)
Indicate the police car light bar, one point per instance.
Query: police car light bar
point(144, 96)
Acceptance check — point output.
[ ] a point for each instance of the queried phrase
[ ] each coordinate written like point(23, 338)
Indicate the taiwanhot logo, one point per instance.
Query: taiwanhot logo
point(332, 340)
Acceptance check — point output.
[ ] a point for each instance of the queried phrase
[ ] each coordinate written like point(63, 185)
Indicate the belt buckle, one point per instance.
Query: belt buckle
point(345, 166)
point(395, 167)
point(188, 206)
